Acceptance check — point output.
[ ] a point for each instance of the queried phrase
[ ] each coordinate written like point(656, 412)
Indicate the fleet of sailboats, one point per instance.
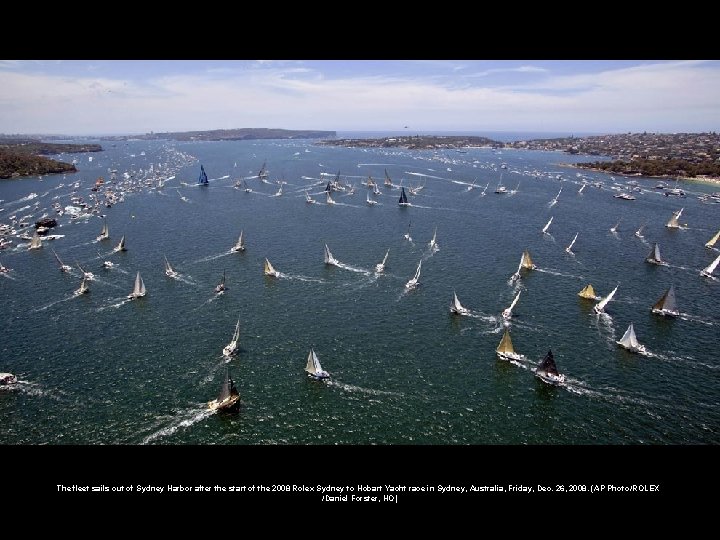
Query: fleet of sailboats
point(457, 308)
point(313, 367)
point(139, 289)
point(380, 267)
point(629, 341)
point(667, 305)
point(600, 306)
point(231, 348)
point(229, 397)
point(547, 370)
point(240, 245)
point(414, 280)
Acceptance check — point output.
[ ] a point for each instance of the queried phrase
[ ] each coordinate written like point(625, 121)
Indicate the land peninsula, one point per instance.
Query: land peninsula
point(241, 134)
point(24, 157)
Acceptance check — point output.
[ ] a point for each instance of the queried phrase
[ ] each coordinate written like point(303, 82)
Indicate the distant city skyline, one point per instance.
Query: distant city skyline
point(127, 97)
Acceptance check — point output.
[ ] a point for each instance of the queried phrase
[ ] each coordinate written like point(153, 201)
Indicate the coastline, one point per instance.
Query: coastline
point(712, 181)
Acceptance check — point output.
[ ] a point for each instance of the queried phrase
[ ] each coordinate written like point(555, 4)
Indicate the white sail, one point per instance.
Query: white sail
point(569, 248)
point(121, 245)
point(547, 226)
point(369, 200)
point(329, 259)
point(240, 245)
point(313, 366)
point(63, 267)
point(638, 233)
point(308, 198)
point(581, 188)
point(507, 313)
point(139, 289)
point(457, 307)
point(713, 240)
point(707, 272)
point(83, 287)
point(231, 347)
point(414, 281)
point(600, 306)
point(269, 270)
point(654, 255)
point(169, 269)
point(328, 198)
point(433, 243)
point(104, 233)
point(379, 268)
point(613, 229)
point(674, 223)
point(407, 234)
point(629, 340)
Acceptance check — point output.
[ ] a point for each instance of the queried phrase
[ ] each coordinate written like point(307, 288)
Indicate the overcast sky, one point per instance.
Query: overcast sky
point(115, 97)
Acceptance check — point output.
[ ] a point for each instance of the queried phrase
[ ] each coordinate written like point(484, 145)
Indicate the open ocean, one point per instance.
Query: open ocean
point(98, 369)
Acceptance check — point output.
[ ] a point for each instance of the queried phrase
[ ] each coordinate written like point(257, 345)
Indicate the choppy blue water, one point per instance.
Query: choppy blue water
point(98, 369)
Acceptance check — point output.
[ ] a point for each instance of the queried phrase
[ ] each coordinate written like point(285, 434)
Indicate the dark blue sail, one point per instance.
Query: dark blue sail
point(403, 198)
point(203, 180)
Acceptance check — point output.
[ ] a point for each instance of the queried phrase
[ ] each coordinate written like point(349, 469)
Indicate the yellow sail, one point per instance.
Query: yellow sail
point(588, 292)
point(712, 241)
point(269, 270)
point(527, 261)
point(505, 345)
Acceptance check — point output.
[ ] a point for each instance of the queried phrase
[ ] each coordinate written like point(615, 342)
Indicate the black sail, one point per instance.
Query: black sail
point(548, 364)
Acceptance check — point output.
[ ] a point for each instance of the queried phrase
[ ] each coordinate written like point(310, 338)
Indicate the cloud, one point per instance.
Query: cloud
point(672, 96)
point(519, 69)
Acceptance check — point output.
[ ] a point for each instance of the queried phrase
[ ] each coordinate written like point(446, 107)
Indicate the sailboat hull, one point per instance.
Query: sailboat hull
point(510, 356)
point(549, 378)
point(640, 349)
point(319, 375)
point(666, 312)
point(228, 404)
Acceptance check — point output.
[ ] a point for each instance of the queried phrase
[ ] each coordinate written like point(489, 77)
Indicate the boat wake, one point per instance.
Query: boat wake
point(370, 391)
point(51, 304)
point(118, 302)
point(300, 278)
point(183, 419)
point(556, 273)
point(352, 268)
point(212, 257)
point(692, 318)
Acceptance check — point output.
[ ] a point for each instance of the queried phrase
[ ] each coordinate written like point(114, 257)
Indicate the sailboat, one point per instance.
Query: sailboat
point(407, 234)
point(121, 245)
point(87, 275)
point(600, 306)
point(35, 242)
point(169, 272)
point(526, 261)
point(313, 367)
point(414, 281)
point(638, 233)
point(329, 259)
point(505, 350)
point(654, 256)
point(139, 289)
point(674, 223)
point(403, 198)
point(707, 271)
point(588, 293)
point(388, 182)
point(263, 174)
point(555, 200)
point(328, 198)
point(203, 179)
point(457, 308)
point(231, 347)
point(433, 243)
point(240, 246)
point(63, 267)
point(713, 240)
point(507, 313)
point(630, 342)
point(279, 191)
point(547, 225)
point(104, 233)
point(220, 288)
point(369, 200)
point(269, 270)
point(83, 288)
point(667, 304)
point(380, 268)
point(547, 370)
point(484, 190)
point(4, 269)
point(569, 248)
point(309, 199)
point(582, 187)
point(247, 188)
point(229, 397)
point(613, 229)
